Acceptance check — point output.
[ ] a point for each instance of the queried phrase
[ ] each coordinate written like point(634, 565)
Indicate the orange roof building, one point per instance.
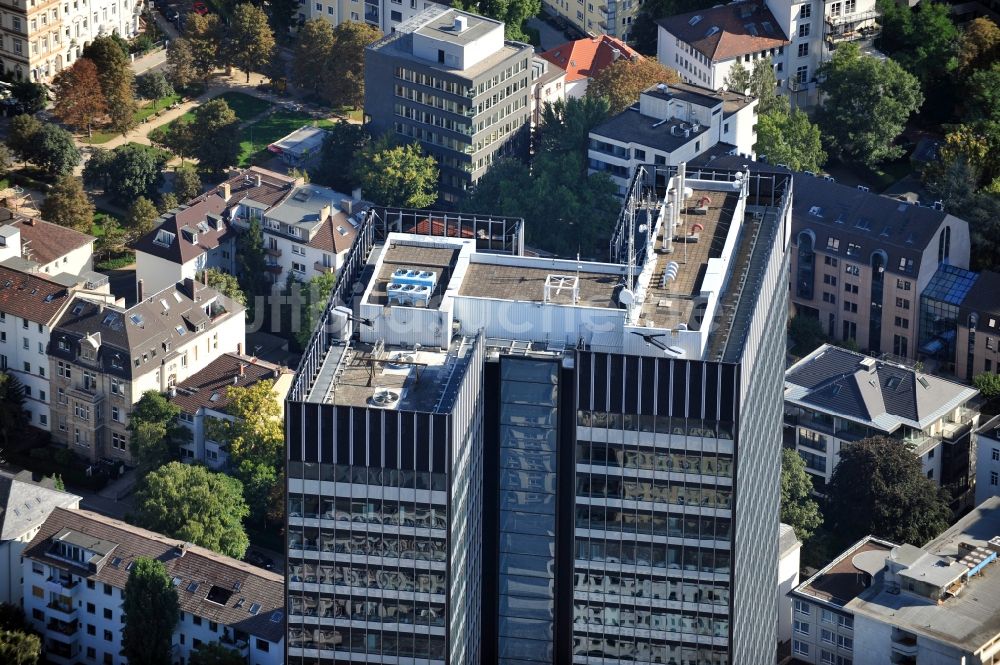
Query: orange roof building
point(585, 58)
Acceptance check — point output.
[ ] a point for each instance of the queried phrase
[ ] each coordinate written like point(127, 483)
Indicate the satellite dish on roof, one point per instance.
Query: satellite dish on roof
point(626, 297)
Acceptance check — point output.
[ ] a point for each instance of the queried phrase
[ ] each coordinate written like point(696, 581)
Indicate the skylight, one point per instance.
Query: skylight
point(180, 330)
point(136, 319)
point(108, 318)
point(163, 301)
point(255, 608)
point(276, 616)
point(192, 587)
point(218, 595)
point(117, 561)
point(176, 581)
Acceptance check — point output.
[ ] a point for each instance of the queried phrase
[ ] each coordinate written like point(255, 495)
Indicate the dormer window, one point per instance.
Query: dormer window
point(164, 238)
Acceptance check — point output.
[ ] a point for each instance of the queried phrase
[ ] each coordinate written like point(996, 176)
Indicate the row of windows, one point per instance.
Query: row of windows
point(373, 511)
point(604, 518)
point(363, 475)
point(648, 619)
point(642, 649)
point(656, 491)
point(695, 427)
point(659, 459)
point(386, 578)
point(368, 544)
point(627, 585)
point(672, 557)
point(376, 642)
point(383, 610)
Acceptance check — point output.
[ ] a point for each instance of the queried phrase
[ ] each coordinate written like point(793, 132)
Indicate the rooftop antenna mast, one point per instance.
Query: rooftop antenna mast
point(630, 220)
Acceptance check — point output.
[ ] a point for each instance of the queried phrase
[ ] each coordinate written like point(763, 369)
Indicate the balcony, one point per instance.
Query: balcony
point(62, 611)
point(60, 652)
point(272, 251)
point(318, 265)
point(852, 27)
point(242, 646)
point(62, 586)
point(273, 268)
point(903, 644)
point(63, 629)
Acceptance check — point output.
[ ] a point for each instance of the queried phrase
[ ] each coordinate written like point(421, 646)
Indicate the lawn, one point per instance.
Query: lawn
point(100, 217)
point(159, 154)
point(270, 129)
point(245, 106)
point(140, 116)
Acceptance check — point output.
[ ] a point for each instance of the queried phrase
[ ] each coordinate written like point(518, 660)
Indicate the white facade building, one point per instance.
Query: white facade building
point(24, 506)
point(988, 460)
point(203, 398)
point(798, 36)
point(75, 571)
point(789, 547)
point(385, 15)
point(34, 245)
point(672, 124)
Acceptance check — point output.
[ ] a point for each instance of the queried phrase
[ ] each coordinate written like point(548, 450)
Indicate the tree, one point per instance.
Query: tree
point(257, 430)
point(12, 414)
point(983, 101)
point(187, 184)
point(112, 241)
point(129, 171)
point(798, 508)
point(312, 55)
point(249, 40)
point(151, 610)
point(314, 299)
point(622, 82)
point(21, 135)
point(282, 14)
point(789, 138)
point(182, 69)
point(879, 488)
point(79, 100)
point(252, 264)
point(566, 125)
point(192, 503)
point(30, 96)
point(566, 211)
point(117, 81)
point(19, 648)
point(259, 480)
point(154, 87)
point(214, 653)
point(344, 142)
point(225, 284)
point(168, 201)
point(738, 78)
point(67, 204)
point(141, 215)
point(178, 137)
point(216, 136)
point(345, 79)
point(764, 86)
point(806, 333)
point(6, 160)
point(97, 169)
point(155, 432)
point(868, 102)
point(204, 35)
point(399, 175)
point(52, 149)
point(987, 383)
point(979, 45)
point(513, 13)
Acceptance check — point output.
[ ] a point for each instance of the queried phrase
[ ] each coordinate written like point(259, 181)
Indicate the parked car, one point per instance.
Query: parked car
point(171, 14)
point(255, 558)
point(199, 8)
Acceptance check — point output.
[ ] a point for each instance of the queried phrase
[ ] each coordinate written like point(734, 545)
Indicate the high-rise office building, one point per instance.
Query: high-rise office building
point(505, 459)
point(449, 79)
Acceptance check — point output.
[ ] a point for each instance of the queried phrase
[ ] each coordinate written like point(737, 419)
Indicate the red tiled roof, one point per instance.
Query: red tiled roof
point(585, 58)
point(29, 296)
point(335, 235)
point(727, 31)
point(209, 388)
point(44, 242)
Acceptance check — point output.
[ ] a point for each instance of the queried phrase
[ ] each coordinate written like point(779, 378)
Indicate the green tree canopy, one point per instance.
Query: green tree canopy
point(311, 55)
point(117, 80)
point(182, 70)
point(155, 432)
point(205, 37)
point(806, 333)
point(151, 613)
point(987, 383)
point(141, 216)
point(879, 488)
point(513, 13)
point(252, 268)
point(622, 82)
point(224, 283)
point(764, 86)
point(97, 168)
point(787, 137)
point(13, 418)
point(21, 135)
point(798, 508)
point(979, 45)
point(192, 503)
point(983, 102)
point(66, 204)
point(738, 78)
point(565, 125)
point(397, 175)
point(214, 653)
point(249, 40)
point(215, 134)
point(47, 146)
point(257, 430)
point(19, 648)
point(187, 182)
point(30, 96)
point(337, 160)
point(344, 82)
point(868, 103)
point(154, 86)
point(127, 172)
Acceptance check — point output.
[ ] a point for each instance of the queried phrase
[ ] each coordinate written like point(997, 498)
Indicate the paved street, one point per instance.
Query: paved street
point(549, 36)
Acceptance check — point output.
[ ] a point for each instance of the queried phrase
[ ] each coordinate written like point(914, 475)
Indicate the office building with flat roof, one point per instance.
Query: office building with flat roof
point(457, 87)
point(497, 458)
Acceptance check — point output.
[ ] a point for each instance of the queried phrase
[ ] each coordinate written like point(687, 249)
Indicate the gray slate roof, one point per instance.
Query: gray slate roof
point(25, 505)
point(833, 380)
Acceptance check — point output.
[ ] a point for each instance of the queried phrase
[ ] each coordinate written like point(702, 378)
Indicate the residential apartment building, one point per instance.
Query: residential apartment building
point(862, 262)
point(386, 15)
point(586, 451)
point(307, 229)
point(613, 17)
point(102, 358)
point(29, 308)
point(458, 88)
point(75, 571)
point(672, 124)
point(583, 59)
point(204, 397)
point(33, 245)
point(988, 459)
point(548, 86)
point(24, 506)
point(834, 397)
point(798, 37)
point(879, 602)
point(41, 38)
point(789, 547)
point(977, 340)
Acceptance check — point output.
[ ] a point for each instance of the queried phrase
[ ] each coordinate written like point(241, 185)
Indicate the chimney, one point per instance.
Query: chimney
point(173, 391)
point(325, 212)
point(256, 179)
point(225, 191)
point(138, 291)
point(243, 367)
point(356, 194)
point(615, 54)
point(30, 221)
point(239, 348)
point(187, 287)
point(461, 23)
